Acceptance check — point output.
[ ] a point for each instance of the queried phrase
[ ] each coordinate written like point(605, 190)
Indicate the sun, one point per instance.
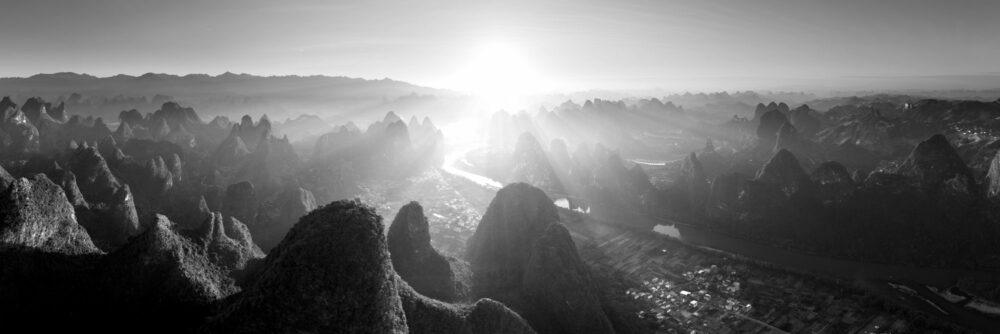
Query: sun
point(499, 75)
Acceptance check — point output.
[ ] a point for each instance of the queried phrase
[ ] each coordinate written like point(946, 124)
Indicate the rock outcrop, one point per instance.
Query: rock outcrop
point(278, 214)
point(158, 179)
point(341, 140)
point(803, 119)
point(417, 262)
point(767, 130)
point(107, 146)
point(158, 278)
point(784, 171)
point(557, 288)
point(67, 180)
point(531, 165)
point(228, 242)
point(331, 273)
point(485, 316)
point(232, 150)
point(175, 115)
point(993, 177)
point(695, 184)
point(723, 199)
point(934, 162)
point(131, 117)
point(5, 179)
point(834, 183)
point(787, 138)
point(176, 167)
point(240, 201)
point(162, 271)
point(35, 214)
point(18, 135)
point(124, 132)
point(93, 174)
point(114, 217)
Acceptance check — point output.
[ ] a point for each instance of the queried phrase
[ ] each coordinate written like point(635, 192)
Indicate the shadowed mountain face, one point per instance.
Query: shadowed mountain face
point(994, 177)
point(158, 277)
point(783, 170)
point(693, 179)
point(532, 165)
point(934, 162)
point(112, 217)
point(278, 214)
point(418, 263)
point(834, 182)
point(516, 216)
point(228, 242)
point(331, 272)
point(160, 264)
point(770, 123)
point(521, 255)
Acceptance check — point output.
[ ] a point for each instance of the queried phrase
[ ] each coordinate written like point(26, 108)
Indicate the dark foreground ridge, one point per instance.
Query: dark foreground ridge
point(332, 273)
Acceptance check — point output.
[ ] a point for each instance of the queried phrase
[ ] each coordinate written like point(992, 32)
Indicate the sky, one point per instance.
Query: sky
point(549, 45)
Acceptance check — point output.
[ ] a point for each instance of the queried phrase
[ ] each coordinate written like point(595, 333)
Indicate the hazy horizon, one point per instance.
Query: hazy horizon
point(559, 46)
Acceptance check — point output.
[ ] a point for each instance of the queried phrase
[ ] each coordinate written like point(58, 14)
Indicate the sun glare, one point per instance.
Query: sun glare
point(500, 76)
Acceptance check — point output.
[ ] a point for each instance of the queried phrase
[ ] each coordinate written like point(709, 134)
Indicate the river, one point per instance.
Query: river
point(458, 155)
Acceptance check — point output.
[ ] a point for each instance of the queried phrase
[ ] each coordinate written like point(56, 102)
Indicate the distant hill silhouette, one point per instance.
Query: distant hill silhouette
point(223, 94)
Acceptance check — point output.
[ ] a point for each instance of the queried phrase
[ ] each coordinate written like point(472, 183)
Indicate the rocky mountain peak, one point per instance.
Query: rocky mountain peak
point(278, 214)
point(518, 214)
point(391, 117)
point(934, 161)
point(246, 122)
point(514, 253)
point(993, 177)
point(6, 103)
point(531, 164)
point(344, 279)
point(695, 183)
point(770, 123)
point(107, 146)
point(228, 242)
point(124, 132)
point(416, 261)
point(232, 149)
point(557, 279)
point(783, 170)
point(93, 175)
point(35, 214)
point(240, 201)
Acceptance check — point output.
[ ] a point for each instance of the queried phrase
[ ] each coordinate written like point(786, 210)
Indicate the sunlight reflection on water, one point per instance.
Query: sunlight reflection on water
point(668, 230)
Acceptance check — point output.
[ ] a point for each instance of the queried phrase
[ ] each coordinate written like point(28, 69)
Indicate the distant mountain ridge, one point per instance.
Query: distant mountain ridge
point(224, 94)
point(55, 82)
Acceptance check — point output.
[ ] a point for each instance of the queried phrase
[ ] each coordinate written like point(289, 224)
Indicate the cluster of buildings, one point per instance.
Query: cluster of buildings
point(708, 292)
